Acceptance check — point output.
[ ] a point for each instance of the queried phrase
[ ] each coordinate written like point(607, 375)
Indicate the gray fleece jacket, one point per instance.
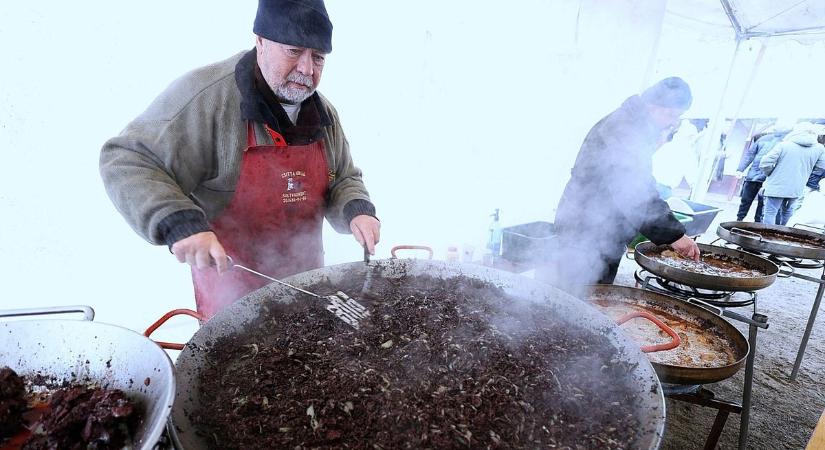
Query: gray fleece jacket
point(176, 166)
point(789, 164)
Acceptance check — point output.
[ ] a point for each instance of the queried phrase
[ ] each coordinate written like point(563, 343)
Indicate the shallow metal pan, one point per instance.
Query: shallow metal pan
point(747, 235)
point(706, 281)
point(665, 306)
point(86, 351)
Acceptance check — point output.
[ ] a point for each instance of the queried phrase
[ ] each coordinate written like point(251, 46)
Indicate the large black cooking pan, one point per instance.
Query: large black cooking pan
point(574, 313)
point(715, 326)
point(643, 257)
point(748, 236)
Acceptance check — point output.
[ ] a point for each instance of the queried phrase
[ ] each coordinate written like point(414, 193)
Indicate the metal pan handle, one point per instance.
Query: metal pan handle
point(411, 247)
point(706, 306)
point(762, 323)
point(807, 227)
point(787, 274)
point(746, 233)
point(167, 316)
point(87, 311)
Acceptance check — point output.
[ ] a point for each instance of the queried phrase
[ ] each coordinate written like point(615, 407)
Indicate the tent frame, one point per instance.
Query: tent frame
point(743, 33)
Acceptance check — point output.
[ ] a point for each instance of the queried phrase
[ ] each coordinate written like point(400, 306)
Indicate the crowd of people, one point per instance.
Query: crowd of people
point(783, 166)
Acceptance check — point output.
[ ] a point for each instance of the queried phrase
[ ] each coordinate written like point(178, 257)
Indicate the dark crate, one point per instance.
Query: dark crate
point(527, 243)
point(702, 216)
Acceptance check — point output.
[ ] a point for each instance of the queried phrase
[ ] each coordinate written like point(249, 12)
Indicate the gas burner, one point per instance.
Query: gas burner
point(721, 299)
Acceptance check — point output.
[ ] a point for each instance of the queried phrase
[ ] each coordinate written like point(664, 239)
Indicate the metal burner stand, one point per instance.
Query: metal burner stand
point(697, 394)
point(802, 264)
point(798, 263)
point(667, 287)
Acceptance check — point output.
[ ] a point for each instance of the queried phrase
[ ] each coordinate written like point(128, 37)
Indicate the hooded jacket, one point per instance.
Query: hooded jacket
point(790, 163)
point(754, 154)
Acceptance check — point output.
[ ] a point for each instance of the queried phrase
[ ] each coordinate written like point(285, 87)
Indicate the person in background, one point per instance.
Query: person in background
point(788, 166)
point(611, 195)
point(814, 180)
point(755, 177)
point(812, 185)
point(244, 158)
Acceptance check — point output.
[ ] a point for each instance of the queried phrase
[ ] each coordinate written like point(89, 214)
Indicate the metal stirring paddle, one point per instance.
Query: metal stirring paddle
point(340, 304)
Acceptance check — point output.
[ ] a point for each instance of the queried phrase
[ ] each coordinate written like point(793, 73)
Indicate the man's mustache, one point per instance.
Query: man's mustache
point(301, 79)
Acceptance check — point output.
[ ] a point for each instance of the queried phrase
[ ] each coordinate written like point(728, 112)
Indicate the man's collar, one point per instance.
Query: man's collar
point(259, 104)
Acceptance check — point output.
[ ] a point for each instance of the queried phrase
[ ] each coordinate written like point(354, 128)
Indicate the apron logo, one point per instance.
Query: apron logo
point(294, 187)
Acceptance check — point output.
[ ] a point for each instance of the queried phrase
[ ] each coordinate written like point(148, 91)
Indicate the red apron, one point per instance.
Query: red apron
point(273, 223)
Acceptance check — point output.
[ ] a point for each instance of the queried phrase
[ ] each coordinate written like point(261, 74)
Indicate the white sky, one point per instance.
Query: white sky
point(452, 109)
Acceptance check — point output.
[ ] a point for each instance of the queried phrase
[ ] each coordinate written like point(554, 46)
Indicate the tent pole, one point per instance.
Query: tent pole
point(708, 156)
point(737, 27)
point(711, 140)
point(756, 65)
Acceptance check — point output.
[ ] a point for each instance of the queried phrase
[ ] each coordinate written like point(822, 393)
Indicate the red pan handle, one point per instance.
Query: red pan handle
point(167, 316)
point(411, 247)
point(675, 339)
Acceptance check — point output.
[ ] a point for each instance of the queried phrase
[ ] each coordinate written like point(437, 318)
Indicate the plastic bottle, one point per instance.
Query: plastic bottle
point(494, 244)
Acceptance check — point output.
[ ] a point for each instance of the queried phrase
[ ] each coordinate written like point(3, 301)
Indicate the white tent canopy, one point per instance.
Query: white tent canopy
point(451, 108)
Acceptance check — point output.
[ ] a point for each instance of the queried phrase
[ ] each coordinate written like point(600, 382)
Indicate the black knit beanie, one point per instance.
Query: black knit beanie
point(302, 23)
point(671, 92)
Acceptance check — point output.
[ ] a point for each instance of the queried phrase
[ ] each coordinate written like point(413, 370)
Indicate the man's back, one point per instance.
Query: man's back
point(790, 164)
point(753, 156)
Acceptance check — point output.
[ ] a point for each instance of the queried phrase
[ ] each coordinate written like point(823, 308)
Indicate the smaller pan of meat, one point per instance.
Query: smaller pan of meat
point(719, 268)
point(791, 242)
point(709, 348)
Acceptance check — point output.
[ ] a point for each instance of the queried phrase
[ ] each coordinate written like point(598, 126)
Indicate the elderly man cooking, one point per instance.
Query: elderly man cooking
point(612, 196)
point(244, 158)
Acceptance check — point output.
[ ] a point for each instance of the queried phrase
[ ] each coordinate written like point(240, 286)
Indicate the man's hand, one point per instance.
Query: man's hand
point(686, 247)
point(366, 230)
point(739, 174)
point(201, 250)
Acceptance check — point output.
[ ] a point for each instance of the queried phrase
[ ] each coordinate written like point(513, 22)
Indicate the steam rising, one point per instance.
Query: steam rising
point(610, 197)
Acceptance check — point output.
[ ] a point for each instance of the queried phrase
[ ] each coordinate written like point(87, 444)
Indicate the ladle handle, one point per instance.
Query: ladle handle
point(267, 277)
point(87, 311)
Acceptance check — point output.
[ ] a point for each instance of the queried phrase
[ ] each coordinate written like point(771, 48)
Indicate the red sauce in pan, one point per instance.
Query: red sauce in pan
point(30, 418)
point(702, 346)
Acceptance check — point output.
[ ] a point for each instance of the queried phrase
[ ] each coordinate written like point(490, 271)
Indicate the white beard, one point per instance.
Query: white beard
point(291, 94)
